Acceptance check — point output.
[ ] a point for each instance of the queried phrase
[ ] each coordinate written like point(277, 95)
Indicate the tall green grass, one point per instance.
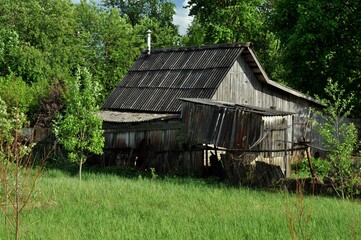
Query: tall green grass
point(112, 207)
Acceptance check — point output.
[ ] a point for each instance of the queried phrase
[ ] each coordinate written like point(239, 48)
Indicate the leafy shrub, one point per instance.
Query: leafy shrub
point(340, 137)
point(322, 167)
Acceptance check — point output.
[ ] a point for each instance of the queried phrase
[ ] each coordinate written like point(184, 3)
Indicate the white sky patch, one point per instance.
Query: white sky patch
point(181, 18)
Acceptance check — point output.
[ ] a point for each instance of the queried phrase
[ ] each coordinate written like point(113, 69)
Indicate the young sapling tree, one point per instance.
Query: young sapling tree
point(17, 172)
point(79, 128)
point(339, 137)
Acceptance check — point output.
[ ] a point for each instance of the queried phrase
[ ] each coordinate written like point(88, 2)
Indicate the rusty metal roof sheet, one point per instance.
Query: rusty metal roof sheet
point(156, 81)
point(253, 109)
point(126, 117)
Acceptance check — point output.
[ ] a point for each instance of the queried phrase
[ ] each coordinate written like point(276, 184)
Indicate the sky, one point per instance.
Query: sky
point(181, 17)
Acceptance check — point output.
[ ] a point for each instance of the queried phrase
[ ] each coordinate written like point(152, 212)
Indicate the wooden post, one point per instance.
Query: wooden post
point(293, 134)
point(308, 153)
point(286, 158)
point(207, 155)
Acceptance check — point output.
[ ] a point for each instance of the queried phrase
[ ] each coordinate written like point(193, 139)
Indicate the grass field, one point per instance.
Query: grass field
point(106, 206)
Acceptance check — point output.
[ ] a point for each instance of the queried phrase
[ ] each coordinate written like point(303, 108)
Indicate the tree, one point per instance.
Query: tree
point(228, 21)
point(79, 128)
point(156, 15)
point(49, 105)
point(111, 44)
point(43, 41)
point(195, 34)
point(162, 37)
point(340, 138)
point(217, 22)
point(37, 45)
point(18, 174)
point(135, 10)
point(44, 37)
point(319, 39)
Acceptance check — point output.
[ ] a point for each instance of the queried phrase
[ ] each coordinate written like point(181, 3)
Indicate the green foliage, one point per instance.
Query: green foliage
point(319, 39)
point(159, 10)
point(43, 41)
point(339, 137)
point(156, 15)
point(12, 124)
point(195, 35)
point(301, 168)
point(38, 29)
point(110, 44)
point(218, 22)
point(153, 173)
point(17, 177)
point(79, 128)
point(225, 22)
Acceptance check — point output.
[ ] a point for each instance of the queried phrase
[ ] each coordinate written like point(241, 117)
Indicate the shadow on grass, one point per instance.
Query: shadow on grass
point(60, 167)
point(57, 167)
point(72, 169)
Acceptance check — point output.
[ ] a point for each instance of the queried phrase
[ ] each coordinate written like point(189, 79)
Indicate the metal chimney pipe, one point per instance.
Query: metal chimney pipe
point(149, 46)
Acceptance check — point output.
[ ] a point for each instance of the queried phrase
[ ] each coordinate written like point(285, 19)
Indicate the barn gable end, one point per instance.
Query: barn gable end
point(242, 86)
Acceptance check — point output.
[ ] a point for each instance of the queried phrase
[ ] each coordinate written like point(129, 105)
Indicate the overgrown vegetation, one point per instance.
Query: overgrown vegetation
point(301, 168)
point(79, 128)
point(318, 40)
point(17, 176)
point(340, 138)
point(43, 41)
point(112, 207)
point(299, 213)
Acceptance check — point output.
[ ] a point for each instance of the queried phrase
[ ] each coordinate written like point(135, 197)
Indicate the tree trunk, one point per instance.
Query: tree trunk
point(17, 199)
point(80, 168)
point(309, 159)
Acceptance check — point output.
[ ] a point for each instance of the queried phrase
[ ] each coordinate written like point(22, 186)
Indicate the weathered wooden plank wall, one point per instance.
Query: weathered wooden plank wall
point(150, 145)
point(222, 127)
point(269, 138)
point(241, 86)
point(234, 128)
point(145, 144)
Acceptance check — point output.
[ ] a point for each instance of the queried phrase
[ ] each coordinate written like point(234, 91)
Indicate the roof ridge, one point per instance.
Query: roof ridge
point(199, 48)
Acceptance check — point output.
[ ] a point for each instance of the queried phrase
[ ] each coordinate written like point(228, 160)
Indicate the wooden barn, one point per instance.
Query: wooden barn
point(248, 133)
point(145, 116)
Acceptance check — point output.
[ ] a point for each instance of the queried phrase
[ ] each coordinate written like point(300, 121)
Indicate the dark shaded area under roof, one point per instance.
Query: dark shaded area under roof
point(157, 81)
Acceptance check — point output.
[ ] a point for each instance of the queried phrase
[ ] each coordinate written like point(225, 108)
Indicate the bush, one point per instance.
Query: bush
point(322, 167)
point(340, 137)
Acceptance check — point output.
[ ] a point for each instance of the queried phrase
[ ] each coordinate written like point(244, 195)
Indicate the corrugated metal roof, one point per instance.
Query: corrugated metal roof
point(126, 117)
point(157, 81)
point(253, 109)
